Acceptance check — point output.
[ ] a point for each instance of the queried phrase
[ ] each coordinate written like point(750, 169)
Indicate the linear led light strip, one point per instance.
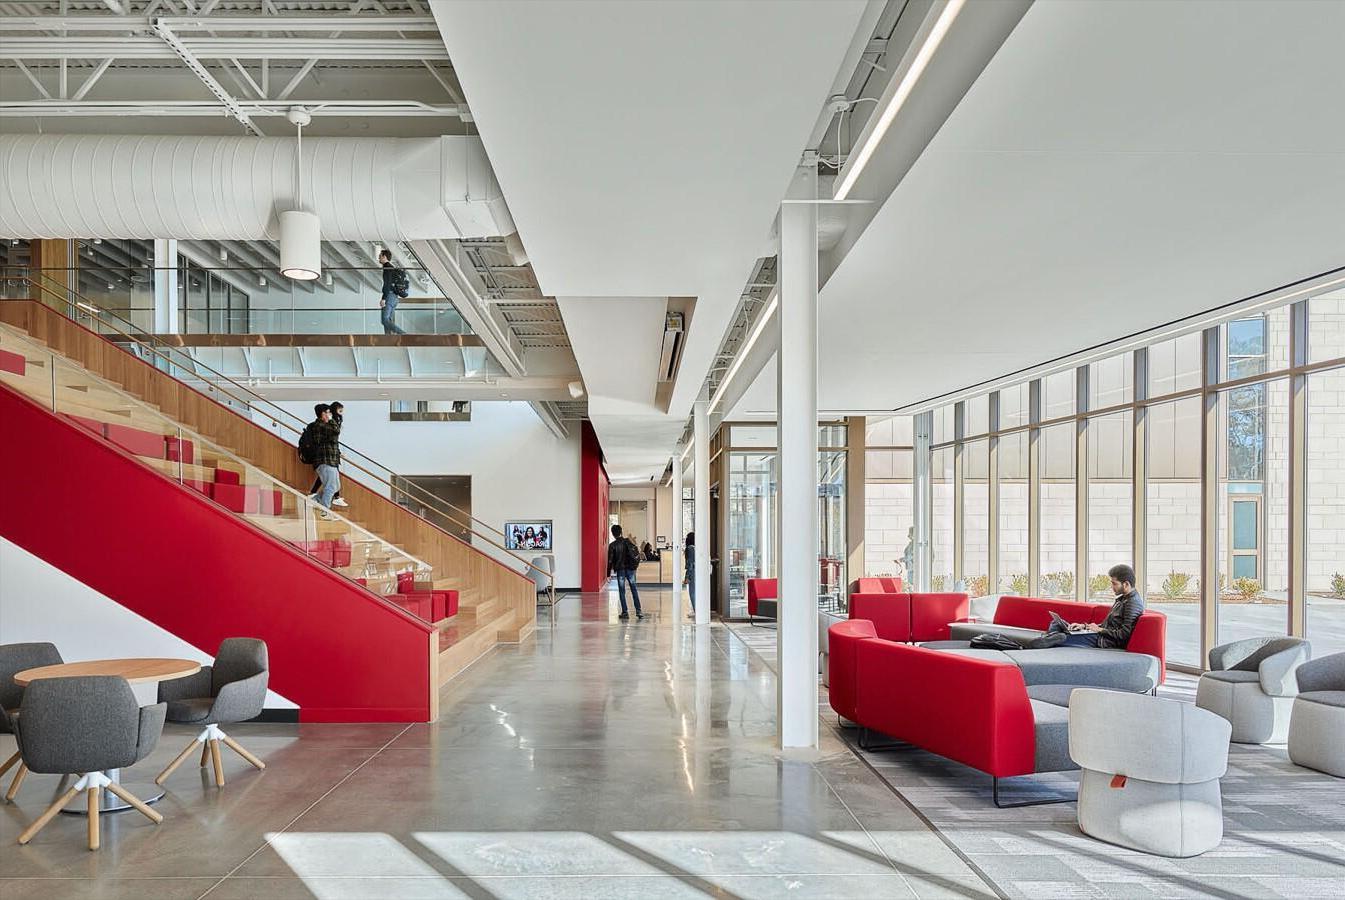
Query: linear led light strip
point(762, 321)
point(898, 99)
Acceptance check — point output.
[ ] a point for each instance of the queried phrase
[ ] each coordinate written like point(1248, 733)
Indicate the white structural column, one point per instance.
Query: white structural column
point(165, 286)
point(675, 539)
point(797, 565)
point(701, 452)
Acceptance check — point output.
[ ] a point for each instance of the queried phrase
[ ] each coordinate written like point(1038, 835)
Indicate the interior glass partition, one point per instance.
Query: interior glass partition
point(752, 533)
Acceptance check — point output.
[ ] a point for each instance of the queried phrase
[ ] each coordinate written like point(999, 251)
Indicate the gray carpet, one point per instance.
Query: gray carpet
point(1284, 826)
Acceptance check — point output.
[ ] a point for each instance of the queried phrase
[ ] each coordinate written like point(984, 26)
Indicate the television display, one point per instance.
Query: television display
point(531, 535)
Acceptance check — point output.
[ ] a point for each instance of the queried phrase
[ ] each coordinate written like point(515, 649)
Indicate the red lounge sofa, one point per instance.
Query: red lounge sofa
point(971, 710)
point(907, 617)
point(1033, 614)
point(762, 598)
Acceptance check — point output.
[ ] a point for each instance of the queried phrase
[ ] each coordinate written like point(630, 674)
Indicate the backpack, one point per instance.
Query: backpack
point(308, 444)
point(401, 285)
point(630, 554)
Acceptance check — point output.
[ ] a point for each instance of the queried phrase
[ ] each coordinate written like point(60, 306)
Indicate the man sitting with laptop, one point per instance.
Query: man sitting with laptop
point(1114, 631)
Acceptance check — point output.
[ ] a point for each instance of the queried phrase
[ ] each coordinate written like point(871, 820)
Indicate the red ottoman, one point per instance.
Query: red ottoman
point(230, 496)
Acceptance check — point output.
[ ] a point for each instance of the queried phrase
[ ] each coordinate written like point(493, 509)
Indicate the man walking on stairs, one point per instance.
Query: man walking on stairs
point(623, 558)
point(321, 447)
point(337, 408)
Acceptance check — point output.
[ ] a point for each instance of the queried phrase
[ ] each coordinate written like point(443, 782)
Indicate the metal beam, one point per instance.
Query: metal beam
point(142, 47)
point(294, 82)
point(32, 78)
point(253, 108)
point(92, 79)
point(187, 25)
point(171, 39)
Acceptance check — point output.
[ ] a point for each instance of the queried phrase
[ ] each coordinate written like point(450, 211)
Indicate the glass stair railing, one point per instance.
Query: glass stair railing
point(182, 366)
point(194, 460)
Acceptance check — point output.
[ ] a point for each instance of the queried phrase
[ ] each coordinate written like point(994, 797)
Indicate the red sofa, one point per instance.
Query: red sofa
point(763, 595)
point(907, 617)
point(971, 710)
point(1149, 636)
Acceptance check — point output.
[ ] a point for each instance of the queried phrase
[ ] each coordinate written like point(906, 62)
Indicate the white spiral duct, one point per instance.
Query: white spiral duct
point(233, 188)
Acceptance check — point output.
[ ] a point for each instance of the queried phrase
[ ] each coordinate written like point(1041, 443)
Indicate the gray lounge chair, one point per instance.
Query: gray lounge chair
point(1317, 722)
point(232, 690)
point(85, 726)
point(1251, 684)
point(15, 658)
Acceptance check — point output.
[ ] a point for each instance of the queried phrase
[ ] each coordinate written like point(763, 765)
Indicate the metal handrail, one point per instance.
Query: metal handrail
point(432, 501)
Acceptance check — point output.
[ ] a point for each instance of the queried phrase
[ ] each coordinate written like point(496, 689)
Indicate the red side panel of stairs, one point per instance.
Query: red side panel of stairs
point(168, 554)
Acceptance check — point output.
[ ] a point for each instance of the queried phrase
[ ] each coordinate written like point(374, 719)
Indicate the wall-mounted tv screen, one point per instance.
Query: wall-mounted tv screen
point(534, 534)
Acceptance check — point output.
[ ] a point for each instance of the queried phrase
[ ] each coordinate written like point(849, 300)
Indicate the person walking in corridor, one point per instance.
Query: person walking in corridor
point(623, 558)
point(689, 579)
point(395, 287)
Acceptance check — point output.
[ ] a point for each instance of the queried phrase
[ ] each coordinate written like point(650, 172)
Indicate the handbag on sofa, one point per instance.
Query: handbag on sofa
point(994, 642)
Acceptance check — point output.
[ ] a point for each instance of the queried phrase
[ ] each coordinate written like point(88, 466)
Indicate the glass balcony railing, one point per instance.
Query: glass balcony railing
point(208, 468)
point(233, 300)
point(181, 365)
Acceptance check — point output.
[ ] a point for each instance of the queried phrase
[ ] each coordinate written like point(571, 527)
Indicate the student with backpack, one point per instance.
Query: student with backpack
point(395, 287)
point(320, 447)
point(623, 558)
point(338, 409)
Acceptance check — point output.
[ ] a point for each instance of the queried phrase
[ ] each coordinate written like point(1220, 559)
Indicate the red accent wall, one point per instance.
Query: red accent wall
point(594, 488)
point(170, 555)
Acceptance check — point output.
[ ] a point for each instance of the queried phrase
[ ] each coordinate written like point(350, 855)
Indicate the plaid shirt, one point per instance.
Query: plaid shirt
point(327, 452)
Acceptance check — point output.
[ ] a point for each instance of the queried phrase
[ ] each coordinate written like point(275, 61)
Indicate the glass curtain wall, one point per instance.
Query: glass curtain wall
point(1233, 514)
point(888, 497)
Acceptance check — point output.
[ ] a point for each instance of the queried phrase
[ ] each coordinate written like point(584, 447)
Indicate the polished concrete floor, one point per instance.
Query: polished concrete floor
point(599, 759)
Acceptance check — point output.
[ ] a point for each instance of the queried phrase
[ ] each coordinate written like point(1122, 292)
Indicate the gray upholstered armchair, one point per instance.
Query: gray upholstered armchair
point(1251, 683)
point(15, 658)
point(86, 726)
point(232, 690)
point(1317, 722)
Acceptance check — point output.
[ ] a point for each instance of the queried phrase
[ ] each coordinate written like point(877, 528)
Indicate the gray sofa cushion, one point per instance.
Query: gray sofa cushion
point(1051, 725)
point(1232, 676)
point(1055, 694)
point(1326, 698)
point(1085, 666)
point(965, 631)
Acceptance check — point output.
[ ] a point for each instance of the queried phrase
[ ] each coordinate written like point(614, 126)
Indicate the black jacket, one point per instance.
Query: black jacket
point(616, 556)
point(326, 443)
point(388, 269)
point(1120, 622)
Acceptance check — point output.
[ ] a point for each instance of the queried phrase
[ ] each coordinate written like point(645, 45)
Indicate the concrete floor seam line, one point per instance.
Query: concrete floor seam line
point(948, 842)
point(266, 842)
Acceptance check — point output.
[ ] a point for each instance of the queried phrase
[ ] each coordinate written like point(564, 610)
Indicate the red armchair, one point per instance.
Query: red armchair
point(842, 640)
point(906, 618)
point(762, 597)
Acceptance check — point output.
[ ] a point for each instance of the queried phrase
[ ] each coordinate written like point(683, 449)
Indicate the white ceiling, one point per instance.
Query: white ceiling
point(644, 149)
point(1117, 166)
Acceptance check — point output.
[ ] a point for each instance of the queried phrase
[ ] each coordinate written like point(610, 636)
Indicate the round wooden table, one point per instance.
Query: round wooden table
point(135, 671)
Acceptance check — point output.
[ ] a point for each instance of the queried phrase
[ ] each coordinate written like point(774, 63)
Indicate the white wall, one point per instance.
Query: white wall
point(519, 469)
point(39, 602)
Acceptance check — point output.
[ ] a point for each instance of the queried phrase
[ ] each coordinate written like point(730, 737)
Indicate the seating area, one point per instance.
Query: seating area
point(81, 721)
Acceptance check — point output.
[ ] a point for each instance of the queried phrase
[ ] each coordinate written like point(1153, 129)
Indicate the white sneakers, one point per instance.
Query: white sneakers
point(339, 502)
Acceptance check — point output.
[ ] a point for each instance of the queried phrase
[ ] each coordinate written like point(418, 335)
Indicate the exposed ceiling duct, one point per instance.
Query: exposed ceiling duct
point(222, 188)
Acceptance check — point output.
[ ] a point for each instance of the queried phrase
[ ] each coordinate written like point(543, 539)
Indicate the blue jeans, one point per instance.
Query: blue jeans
point(622, 579)
point(390, 300)
point(1076, 638)
point(691, 585)
point(331, 483)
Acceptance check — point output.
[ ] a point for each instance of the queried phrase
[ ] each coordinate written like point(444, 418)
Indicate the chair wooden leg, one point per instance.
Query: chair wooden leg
point(47, 816)
point(241, 751)
point(16, 783)
point(177, 761)
point(135, 801)
point(9, 762)
point(95, 794)
point(205, 753)
point(219, 763)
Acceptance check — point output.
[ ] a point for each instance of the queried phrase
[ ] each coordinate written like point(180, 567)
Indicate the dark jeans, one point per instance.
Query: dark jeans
point(390, 301)
point(622, 579)
point(1075, 638)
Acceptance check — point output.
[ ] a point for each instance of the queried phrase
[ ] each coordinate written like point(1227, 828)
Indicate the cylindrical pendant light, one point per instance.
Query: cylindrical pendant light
point(300, 231)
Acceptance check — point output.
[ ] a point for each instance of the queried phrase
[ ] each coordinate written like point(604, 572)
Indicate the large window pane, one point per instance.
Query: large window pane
point(889, 431)
point(1253, 506)
point(1057, 511)
point(941, 538)
point(1326, 511)
point(831, 551)
point(1058, 394)
point(1172, 505)
point(1013, 514)
point(1013, 406)
point(1174, 365)
point(1326, 326)
point(888, 521)
point(976, 413)
point(1110, 463)
point(943, 424)
point(1111, 381)
point(752, 524)
point(976, 517)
